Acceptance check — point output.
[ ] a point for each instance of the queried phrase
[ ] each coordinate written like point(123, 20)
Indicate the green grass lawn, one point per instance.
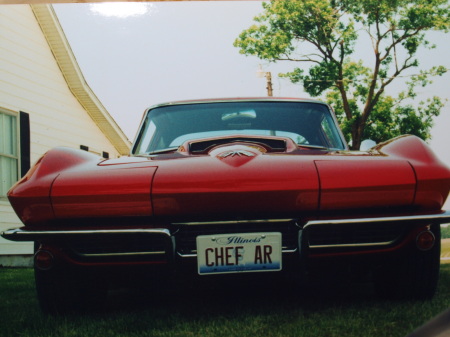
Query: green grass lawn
point(345, 310)
point(445, 249)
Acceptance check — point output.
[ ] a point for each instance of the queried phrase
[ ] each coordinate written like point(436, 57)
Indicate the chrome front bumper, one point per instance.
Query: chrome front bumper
point(161, 241)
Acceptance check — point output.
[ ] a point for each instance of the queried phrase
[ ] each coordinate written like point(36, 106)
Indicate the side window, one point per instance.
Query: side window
point(329, 131)
point(9, 151)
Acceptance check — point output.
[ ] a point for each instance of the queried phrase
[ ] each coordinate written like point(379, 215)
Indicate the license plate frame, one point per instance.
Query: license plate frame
point(239, 253)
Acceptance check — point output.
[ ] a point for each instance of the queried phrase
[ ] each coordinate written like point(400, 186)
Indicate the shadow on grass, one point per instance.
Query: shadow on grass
point(251, 305)
point(210, 295)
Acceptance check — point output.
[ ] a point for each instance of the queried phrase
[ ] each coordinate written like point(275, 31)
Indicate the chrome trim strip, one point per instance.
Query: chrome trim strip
point(211, 223)
point(122, 254)
point(353, 245)
point(184, 256)
point(443, 217)
point(19, 234)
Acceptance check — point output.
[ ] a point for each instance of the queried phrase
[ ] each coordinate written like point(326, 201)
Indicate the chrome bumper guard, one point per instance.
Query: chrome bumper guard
point(19, 234)
point(440, 218)
point(427, 219)
point(161, 234)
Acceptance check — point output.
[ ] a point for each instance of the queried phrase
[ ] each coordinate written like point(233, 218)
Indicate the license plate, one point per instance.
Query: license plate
point(234, 253)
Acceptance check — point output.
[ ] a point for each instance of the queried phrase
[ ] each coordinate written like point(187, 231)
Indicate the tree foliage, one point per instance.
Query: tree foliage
point(322, 36)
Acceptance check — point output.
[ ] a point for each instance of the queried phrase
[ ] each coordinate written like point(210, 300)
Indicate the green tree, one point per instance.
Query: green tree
point(322, 36)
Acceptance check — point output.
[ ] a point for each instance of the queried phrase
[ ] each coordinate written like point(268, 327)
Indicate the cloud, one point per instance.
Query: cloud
point(121, 9)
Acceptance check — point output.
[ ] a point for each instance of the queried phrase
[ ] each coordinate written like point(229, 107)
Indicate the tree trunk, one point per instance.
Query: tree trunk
point(357, 137)
point(357, 132)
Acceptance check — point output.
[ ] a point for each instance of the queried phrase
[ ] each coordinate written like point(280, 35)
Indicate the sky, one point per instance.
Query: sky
point(143, 54)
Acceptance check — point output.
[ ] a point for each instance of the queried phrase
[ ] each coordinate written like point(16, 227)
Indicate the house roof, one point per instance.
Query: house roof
point(71, 71)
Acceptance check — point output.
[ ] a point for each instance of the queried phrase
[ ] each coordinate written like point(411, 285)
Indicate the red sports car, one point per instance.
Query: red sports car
point(234, 186)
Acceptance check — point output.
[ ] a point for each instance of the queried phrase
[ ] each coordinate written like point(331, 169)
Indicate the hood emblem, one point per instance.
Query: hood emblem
point(238, 153)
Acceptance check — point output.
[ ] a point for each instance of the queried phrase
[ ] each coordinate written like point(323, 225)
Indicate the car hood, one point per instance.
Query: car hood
point(237, 180)
point(244, 179)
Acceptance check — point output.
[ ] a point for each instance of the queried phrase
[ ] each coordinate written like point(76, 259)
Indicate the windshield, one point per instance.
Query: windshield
point(170, 126)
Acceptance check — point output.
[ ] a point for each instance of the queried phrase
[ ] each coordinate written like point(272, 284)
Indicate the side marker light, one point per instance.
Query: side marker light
point(44, 260)
point(425, 240)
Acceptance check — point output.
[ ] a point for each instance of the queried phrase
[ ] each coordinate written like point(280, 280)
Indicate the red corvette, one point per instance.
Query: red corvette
point(234, 186)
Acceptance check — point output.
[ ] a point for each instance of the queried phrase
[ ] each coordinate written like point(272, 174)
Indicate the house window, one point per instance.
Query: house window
point(9, 156)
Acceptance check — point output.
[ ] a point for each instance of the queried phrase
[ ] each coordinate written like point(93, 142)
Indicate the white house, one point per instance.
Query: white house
point(44, 102)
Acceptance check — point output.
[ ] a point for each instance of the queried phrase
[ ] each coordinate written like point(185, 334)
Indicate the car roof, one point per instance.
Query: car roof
point(239, 99)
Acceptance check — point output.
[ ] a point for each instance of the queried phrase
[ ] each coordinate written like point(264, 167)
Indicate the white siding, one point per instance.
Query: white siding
point(31, 81)
point(9, 219)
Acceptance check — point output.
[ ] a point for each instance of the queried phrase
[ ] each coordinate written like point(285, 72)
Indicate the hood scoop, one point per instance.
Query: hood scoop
point(269, 143)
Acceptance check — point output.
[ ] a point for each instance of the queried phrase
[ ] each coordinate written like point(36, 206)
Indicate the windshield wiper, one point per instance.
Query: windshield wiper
point(169, 149)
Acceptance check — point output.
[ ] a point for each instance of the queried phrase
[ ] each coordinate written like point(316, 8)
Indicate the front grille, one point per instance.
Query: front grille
point(186, 234)
point(367, 234)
